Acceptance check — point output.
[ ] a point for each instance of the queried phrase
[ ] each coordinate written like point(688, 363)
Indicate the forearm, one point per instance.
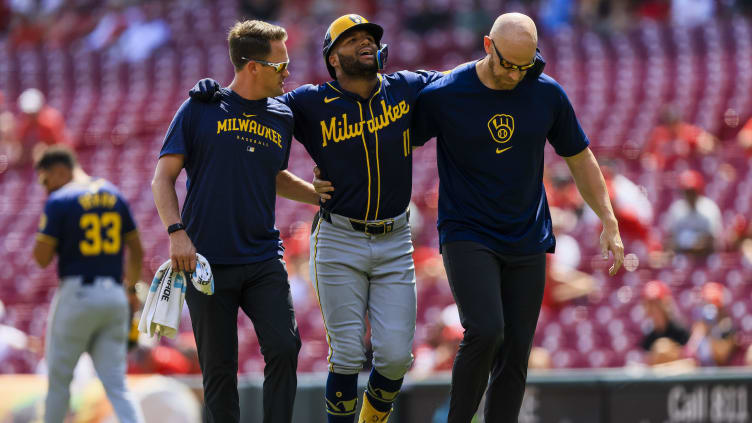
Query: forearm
point(166, 200)
point(592, 187)
point(135, 258)
point(291, 187)
point(133, 269)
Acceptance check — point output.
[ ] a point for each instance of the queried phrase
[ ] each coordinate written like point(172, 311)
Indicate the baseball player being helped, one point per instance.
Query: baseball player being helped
point(356, 129)
point(235, 153)
point(86, 222)
point(492, 118)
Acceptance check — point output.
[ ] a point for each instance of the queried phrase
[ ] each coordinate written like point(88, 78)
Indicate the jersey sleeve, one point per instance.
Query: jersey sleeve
point(417, 80)
point(566, 135)
point(423, 126)
point(178, 139)
point(426, 77)
point(129, 225)
point(289, 118)
point(287, 99)
point(51, 223)
point(292, 100)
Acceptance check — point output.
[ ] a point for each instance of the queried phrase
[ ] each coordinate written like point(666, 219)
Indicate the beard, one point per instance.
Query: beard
point(353, 67)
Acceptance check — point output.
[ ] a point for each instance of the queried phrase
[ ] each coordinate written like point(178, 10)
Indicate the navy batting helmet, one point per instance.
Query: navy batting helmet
point(342, 25)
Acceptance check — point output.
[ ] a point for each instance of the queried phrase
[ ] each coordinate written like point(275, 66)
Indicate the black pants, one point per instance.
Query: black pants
point(499, 298)
point(263, 292)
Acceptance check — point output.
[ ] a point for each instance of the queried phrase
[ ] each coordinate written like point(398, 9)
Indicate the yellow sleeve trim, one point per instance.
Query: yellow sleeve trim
point(47, 239)
point(130, 235)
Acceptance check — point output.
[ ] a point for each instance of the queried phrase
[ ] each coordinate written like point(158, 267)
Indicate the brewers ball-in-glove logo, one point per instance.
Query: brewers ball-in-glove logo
point(502, 128)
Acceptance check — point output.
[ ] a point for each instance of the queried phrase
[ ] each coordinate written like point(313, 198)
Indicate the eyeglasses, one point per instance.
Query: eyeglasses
point(509, 66)
point(278, 67)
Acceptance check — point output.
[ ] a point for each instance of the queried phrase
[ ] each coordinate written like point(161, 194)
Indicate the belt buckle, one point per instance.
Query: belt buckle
point(380, 228)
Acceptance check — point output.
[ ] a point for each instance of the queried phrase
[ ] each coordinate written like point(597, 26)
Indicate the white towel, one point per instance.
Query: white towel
point(164, 303)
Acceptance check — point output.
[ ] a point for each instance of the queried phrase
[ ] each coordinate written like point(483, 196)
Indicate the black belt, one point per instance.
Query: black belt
point(89, 280)
point(371, 228)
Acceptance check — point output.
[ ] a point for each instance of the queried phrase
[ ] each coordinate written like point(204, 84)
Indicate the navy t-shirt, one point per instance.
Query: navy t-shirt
point(233, 151)
point(490, 157)
point(88, 224)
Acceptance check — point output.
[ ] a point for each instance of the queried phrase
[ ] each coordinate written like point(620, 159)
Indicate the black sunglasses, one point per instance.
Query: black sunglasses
point(510, 66)
point(278, 67)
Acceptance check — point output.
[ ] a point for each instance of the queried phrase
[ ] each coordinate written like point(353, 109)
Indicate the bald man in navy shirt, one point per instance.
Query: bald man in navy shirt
point(491, 118)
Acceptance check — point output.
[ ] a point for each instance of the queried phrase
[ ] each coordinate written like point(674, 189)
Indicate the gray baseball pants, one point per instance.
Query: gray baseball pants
point(89, 318)
point(354, 273)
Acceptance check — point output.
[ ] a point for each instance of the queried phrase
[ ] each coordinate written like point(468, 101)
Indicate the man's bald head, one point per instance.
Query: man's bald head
point(516, 36)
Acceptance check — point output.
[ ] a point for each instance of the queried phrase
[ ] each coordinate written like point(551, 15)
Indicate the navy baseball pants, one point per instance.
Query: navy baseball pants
point(499, 298)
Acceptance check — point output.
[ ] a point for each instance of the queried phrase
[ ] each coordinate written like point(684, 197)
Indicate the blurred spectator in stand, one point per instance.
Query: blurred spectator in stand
point(52, 23)
point(471, 17)
point(161, 359)
point(264, 10)
point(4, 17)
point(147, 30)
point(540, 359)
point(692, 12)
point(13, 344)
point(664, 334)
point(433, 288)
point(739, 234)
point(422, 16)
point(186, 344)
point(110, 25)
point(568, 255)
point(744, 137)
point(673, 139)
point(745, 246)
point(10, 148)
point(181, 358)
point(296, 262)
point(631, 207)
point(416, 220)
point(656, 10)
point(713, 339)
point(74, 20)
point(437, 352)
point(694, 221)
point(26, 29)
point(605, 15)
point(39, 125)
point(564, 282)
point(555, 14)
point(561, 191)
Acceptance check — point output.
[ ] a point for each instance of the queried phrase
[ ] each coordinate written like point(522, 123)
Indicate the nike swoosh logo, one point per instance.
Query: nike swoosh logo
point(501, 150)
point(248, 115)
point(329, 100)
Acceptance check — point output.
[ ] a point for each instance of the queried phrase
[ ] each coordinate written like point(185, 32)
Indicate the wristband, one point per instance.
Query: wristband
point(175, 227)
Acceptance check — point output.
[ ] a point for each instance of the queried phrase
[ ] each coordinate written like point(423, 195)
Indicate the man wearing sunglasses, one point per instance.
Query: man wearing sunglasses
point(357, 130)
point(235, 153)
point(491, 118)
